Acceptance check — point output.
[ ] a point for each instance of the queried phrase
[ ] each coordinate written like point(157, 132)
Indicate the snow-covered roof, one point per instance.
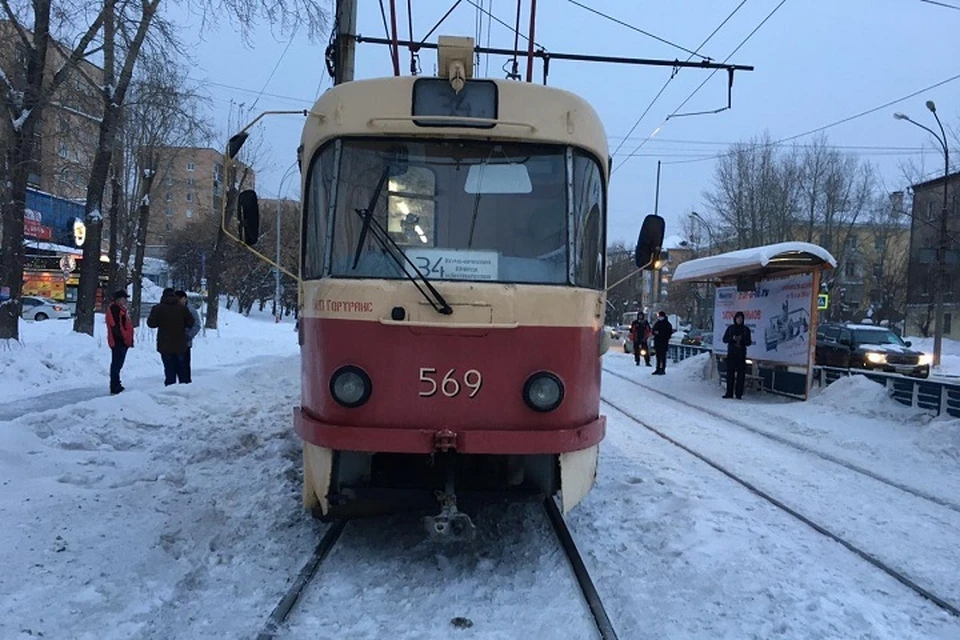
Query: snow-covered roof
point(53, 246)
point(756, 260)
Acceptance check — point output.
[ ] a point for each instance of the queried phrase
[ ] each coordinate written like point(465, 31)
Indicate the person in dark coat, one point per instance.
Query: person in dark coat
point(639, 333)
point(119, 337)
point(737, 339)
point(171, 320)
point(191, 334)
point(662, 330)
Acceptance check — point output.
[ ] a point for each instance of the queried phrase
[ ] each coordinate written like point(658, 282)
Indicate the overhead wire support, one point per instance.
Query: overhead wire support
point(639, 30)
point(672, 76)
point(577, 57)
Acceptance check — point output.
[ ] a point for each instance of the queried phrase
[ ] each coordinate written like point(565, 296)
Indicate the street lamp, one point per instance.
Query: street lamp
point(706, 225)
point(276, 271)
point(942, 250)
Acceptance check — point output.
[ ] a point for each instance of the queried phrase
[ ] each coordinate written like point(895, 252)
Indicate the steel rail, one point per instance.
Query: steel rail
point(289, 599)
point(890, 571)
point(917, 493)
point(604, 626)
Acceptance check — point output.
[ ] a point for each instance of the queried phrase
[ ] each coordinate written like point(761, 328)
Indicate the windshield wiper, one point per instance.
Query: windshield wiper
point(367, 215)
point(382, 237)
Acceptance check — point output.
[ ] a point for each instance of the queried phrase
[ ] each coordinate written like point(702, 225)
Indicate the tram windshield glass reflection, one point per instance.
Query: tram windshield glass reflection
point(460, 210)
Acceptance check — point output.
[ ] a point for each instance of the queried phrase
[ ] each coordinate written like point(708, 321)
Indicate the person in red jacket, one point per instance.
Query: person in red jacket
point(119, 337)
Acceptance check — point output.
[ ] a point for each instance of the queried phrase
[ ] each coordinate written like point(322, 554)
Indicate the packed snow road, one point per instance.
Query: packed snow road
point(174, 513)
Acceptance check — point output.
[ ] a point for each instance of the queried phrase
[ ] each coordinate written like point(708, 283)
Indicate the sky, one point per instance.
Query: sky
point(816, 62)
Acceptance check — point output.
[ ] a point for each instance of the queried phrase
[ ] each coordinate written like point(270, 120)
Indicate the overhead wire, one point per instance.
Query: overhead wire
point(674, 74)
point(638, 29)
point(490, 15)
point(275, 67)
point(702, 84)
point(942, 4)
point(835, 123)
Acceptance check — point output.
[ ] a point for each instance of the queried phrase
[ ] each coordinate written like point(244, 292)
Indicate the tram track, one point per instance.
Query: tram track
point(913, 491)
point(288, 601)
point(819, 528)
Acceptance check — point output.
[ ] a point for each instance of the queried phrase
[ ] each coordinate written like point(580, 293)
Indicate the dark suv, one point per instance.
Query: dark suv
point(864, 346)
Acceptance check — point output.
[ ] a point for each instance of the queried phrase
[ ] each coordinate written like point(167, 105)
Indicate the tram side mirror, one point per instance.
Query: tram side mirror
point(248, 216)
point(236, 143)
point(650, 241)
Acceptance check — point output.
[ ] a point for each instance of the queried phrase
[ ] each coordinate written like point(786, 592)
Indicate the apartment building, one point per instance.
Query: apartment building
point(68, 133)
point(188, 191)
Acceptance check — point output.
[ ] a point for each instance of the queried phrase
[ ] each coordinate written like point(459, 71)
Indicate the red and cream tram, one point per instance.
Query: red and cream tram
point(451, 293)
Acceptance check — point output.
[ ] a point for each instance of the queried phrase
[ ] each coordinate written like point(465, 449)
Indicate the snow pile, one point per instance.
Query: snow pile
point(51, 357)
point(941, 437)
point(695, 368)
point(861, 395)
point(149, 292)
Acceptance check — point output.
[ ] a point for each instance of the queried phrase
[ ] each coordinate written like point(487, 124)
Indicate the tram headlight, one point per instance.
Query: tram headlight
point(350, 386)
point(543, 392)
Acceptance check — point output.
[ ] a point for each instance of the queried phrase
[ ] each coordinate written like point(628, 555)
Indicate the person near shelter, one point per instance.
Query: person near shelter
point(119, 337)
point(737, 339)
point(639, 334)
point(662, 330)
point(191, 334)
point(171, 319)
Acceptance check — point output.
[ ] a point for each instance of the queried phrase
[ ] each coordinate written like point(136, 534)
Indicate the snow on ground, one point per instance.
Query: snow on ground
point(175, 513)
point(854, 422)
point(52, 357)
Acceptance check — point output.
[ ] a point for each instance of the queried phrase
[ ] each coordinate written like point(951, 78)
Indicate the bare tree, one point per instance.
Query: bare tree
point(163, 114)
point(126, 25)
point(28, 84)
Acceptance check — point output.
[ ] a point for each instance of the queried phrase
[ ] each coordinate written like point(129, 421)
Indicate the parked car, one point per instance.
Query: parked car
point(38, 308)
point(695, 337)
point(861, 346)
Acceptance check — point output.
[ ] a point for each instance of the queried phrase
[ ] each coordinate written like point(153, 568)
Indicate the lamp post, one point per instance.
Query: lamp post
point(942, 245)
point(706, 225)
point(276, 271)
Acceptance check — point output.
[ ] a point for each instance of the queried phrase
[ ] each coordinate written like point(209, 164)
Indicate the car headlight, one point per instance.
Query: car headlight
point(925, 359)
point(876, 358)
point(350, 386)
point(543, 392)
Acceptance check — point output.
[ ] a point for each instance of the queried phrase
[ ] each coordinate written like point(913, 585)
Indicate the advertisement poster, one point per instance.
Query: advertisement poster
point(778, 314)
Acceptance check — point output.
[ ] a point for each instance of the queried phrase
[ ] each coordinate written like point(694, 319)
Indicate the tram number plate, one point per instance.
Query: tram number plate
point(451, 384)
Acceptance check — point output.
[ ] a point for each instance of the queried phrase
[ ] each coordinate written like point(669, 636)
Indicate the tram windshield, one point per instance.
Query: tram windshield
point(459, 210)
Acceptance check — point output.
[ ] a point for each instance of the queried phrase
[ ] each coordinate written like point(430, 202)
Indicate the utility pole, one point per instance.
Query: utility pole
point(276, 291)
point(346, 40)
point(657, 262)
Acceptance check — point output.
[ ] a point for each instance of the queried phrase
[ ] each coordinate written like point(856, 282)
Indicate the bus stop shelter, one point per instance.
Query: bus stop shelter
point(776, 287)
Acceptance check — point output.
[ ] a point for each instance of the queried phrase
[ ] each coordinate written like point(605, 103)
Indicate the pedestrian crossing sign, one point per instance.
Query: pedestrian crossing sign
point(823, 301)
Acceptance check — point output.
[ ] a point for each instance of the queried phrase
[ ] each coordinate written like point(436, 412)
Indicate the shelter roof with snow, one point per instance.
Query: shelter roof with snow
point(765, 261)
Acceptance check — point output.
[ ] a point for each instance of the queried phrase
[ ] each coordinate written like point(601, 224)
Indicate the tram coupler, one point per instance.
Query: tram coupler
point(450, 525)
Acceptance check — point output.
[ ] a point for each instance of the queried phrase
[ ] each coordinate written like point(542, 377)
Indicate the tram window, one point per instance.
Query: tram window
point(588, 209)
point(319, 193)
point(411, 207)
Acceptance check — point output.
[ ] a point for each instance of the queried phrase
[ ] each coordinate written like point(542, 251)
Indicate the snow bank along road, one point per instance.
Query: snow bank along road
point(910, 535)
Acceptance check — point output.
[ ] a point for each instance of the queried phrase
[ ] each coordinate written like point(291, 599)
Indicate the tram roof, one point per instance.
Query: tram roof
point(765, 261)
point(527, 112)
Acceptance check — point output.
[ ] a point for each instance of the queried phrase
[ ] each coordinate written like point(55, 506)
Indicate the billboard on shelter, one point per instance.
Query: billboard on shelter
point(778, 314)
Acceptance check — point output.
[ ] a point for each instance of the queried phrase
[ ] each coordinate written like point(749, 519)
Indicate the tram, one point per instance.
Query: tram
point(451, 293)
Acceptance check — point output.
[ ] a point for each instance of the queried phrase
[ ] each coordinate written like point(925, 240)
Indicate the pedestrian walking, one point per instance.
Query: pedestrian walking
point(171, 320)
point(640, 334)
point(119, 337)
point(737, 339)
point(191, 334)
point(662, 330)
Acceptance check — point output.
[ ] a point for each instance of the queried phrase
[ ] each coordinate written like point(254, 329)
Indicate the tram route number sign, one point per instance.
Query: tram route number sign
point(453, 264)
